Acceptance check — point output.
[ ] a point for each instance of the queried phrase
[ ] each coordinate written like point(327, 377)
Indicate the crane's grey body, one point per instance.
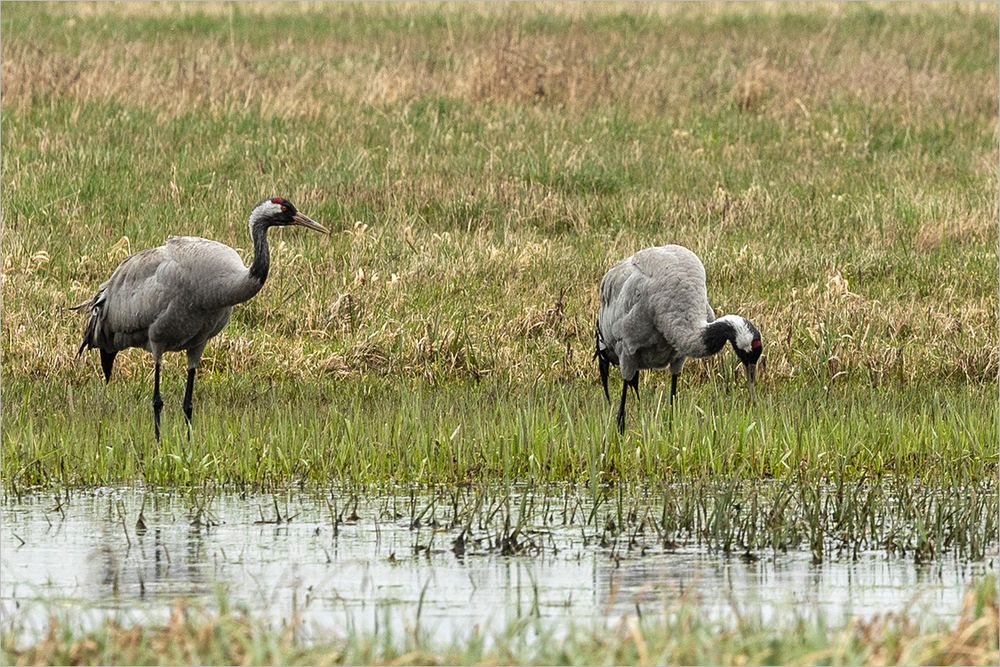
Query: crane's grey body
point(654, 313)
point(176, 297)
point(653, 307)
point(170, 299)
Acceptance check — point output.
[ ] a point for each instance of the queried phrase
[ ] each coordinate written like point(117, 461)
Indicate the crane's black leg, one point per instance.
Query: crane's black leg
point(188, 395)
point(157, 401)
point(107, 363)
point(621, 408)
point(604, 367)
point(673, 392)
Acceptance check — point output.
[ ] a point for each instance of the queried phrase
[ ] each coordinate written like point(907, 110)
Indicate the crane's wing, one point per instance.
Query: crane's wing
point(612, 308)
point(187, 272)
point(211, 274)
point(653, 306)
point(677, 295)
point(625, 323)
point(126, 304)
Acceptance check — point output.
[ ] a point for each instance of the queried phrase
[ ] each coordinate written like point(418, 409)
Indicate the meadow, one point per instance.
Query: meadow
point(481, 166)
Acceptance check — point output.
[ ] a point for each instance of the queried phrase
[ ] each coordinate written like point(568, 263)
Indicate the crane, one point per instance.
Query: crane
point(654, 313)
point(179, 295)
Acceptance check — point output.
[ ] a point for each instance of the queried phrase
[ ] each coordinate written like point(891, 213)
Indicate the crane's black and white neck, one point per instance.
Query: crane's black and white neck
point(261, 219)
point(273, 212)
point(739, 331)
point(744, 337)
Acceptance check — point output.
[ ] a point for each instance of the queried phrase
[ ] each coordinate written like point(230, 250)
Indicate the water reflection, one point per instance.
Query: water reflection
point(374, 570)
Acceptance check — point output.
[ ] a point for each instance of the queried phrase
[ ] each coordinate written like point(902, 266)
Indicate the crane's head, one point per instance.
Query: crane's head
point(746, 343)
point(277, 211)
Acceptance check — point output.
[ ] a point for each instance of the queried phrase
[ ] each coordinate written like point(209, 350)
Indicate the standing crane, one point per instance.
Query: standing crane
point(655, 313)
point(177, 296)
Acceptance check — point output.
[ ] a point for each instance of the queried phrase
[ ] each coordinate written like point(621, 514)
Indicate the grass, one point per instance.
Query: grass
point(409, 431)
point(229, 636)
point(482, 166)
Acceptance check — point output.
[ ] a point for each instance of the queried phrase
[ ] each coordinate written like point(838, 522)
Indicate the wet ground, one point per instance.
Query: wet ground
point(396, 561)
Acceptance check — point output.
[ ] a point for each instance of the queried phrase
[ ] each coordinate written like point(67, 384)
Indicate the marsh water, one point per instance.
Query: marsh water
point(370, 563)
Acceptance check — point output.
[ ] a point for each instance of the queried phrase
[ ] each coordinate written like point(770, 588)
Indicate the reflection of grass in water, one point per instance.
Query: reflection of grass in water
point(680, 636)
point(888, 515)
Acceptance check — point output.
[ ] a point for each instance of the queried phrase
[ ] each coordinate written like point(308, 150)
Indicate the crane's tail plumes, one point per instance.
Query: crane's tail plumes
point(90, 333)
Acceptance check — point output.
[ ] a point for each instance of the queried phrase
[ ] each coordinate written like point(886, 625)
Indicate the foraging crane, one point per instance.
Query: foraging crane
point(178, 296)
point(655, 313)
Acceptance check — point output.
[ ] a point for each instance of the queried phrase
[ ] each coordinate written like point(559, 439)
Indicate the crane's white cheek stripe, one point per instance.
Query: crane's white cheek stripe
point(266, 209)
point(744, 337)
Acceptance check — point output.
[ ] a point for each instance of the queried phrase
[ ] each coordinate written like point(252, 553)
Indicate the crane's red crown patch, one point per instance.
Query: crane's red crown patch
point(277, 200)
point(755, 344)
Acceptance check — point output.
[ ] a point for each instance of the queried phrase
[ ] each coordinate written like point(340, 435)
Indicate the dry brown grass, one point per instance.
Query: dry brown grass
point(575, 68)
point(491, 269)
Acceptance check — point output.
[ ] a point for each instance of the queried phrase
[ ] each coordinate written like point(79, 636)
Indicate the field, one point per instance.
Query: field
point(481, 166)
point(482, 169)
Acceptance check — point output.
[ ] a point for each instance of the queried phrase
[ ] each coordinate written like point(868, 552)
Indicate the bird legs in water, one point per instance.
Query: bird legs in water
point(634, 383)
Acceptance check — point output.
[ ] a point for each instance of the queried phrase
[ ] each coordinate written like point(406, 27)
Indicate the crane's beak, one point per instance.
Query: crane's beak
point(751, 370)
point(305, 221)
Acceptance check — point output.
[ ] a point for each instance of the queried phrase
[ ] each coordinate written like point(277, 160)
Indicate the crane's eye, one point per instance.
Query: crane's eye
point(284, 209)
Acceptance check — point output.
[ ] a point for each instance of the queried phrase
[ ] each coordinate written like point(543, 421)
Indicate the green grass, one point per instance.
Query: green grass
point(392, 430)
point(682, 636)
point(482, 166)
